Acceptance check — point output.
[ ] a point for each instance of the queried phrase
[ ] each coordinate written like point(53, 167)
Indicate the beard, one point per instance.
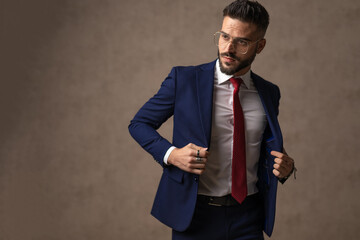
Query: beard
point(241, 65)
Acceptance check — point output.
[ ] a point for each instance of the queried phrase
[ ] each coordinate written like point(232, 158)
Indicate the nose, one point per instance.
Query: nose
point(229, 47)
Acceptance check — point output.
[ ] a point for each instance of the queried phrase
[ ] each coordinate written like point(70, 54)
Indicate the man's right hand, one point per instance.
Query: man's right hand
point(190, 158)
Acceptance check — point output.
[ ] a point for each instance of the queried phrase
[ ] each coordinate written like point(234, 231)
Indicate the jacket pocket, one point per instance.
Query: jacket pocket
point(175, 174)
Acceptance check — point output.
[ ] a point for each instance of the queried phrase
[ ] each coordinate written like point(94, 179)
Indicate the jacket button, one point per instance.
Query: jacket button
point(196, 179)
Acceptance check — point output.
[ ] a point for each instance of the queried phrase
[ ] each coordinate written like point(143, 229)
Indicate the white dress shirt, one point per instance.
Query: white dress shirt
point(216, 179)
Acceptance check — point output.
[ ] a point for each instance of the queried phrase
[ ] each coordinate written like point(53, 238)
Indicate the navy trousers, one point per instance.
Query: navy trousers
point(240, 222)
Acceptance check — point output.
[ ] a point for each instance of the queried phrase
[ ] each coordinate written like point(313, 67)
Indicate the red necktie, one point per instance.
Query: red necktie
point(239, 185)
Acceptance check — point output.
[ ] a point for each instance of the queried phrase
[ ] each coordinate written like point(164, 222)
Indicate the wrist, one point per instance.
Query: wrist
point(167, 158)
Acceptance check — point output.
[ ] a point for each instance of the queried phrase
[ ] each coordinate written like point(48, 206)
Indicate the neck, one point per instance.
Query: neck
point(242, 71)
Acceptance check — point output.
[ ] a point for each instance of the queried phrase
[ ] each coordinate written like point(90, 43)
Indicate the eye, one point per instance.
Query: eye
point(241, 42)
point(225, 37)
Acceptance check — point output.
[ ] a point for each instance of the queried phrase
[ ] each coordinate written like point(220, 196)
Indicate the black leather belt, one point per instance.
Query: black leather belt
point(225, 201)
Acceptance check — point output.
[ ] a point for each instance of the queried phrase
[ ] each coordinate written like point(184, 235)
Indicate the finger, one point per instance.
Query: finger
point(282, 166)
point(193, 146)
point(282, 162)
point(197, 171)
point(278, 167)
point(197, 151)
point(199, 160)
point(192, 167)
point(276, 173)
point(277, 154)
point(191, 151)
point(282, 158)
point(197, 166)
point(286, 161)
point(283, 171)
point(203, 152)
point(279, 160)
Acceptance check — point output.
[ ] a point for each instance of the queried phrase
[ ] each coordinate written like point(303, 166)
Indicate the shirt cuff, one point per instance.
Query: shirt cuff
point(168, 154)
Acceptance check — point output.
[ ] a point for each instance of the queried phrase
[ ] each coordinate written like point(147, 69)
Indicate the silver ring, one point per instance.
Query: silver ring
point(198, 153)
point(198, 159)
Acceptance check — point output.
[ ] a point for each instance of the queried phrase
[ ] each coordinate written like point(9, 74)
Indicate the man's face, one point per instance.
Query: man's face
point(232, 62)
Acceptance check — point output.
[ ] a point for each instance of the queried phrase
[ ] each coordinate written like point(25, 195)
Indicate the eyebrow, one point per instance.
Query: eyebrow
point(246, 39)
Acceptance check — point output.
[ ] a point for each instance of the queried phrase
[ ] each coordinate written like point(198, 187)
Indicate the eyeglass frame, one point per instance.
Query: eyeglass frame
point(232, 39)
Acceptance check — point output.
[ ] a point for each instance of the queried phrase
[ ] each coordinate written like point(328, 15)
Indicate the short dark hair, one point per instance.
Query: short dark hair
point(248, 11)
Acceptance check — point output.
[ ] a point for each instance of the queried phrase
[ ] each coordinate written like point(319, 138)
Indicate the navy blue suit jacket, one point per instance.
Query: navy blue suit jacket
point(187, 95)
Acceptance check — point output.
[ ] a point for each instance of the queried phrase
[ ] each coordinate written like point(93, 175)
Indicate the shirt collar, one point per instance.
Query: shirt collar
point(222, 77)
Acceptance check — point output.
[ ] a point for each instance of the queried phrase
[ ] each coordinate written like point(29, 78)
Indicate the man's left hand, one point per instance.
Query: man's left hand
point(283, 164)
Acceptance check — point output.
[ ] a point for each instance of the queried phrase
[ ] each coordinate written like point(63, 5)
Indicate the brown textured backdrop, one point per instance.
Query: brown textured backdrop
point(73, 74)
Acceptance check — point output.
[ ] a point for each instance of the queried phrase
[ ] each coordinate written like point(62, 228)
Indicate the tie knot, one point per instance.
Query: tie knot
point(236, 82)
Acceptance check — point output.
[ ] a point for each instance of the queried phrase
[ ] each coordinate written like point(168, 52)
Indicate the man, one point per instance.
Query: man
point(222, 167)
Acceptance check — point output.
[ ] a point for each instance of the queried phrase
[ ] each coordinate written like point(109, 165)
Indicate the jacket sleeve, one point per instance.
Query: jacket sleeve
point(143, 127)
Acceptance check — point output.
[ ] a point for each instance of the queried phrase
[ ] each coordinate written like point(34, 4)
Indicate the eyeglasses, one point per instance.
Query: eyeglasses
point(241, 45)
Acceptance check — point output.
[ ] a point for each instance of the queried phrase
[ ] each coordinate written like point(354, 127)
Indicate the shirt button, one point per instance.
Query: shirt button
point(231, 121)
point(196, 179)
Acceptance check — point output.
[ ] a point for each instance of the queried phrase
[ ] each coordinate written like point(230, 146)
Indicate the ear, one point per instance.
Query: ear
point(261, 45)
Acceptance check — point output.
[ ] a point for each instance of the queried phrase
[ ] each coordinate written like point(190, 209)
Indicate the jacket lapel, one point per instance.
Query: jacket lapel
point(273, 136)
point(205, 87)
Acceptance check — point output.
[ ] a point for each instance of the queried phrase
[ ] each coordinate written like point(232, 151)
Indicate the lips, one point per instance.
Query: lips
point(228, 59)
